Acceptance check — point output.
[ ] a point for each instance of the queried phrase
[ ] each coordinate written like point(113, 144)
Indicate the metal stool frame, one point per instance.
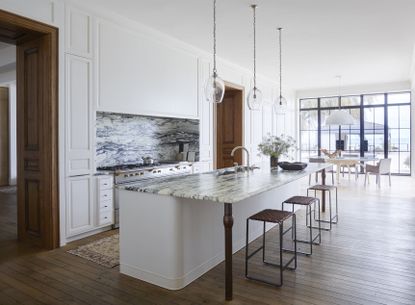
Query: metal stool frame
point(331, 218)
point(281, 266)
point(312, 240)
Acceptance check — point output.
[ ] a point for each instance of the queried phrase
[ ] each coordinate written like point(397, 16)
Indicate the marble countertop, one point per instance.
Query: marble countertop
point(230, 188)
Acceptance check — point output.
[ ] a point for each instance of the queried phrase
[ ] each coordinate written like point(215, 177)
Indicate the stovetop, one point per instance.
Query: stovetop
point(136, 166)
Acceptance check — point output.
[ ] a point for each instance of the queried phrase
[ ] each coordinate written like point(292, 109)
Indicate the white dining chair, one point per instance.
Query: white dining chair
point(382, 168)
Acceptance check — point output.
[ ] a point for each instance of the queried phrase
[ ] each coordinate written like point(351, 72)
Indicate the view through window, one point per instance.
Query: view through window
point(382, 127)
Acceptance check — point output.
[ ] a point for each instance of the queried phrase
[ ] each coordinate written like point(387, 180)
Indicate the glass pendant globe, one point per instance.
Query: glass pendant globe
point(254, 99)
point(280, 105)
point(214, 89)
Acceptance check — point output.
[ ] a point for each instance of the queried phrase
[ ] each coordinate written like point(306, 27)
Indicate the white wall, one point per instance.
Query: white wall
point(11, 84)
point(12, 134)
point(8, 79)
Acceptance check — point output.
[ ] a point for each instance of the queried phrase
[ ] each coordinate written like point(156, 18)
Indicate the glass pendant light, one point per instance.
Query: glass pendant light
point(280, 103)
point(215, 86)
point(255, 95)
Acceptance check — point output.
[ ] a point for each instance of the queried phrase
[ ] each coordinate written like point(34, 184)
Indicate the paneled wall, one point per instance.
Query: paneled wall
point(110, 63)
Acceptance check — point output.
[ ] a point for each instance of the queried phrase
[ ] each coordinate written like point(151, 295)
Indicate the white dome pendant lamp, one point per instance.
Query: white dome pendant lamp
point(254, 98)
point(215, 86)
point(339, 117)
point(280, 103)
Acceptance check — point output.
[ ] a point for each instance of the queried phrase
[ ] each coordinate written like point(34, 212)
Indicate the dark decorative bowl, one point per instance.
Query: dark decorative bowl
point(292, 166)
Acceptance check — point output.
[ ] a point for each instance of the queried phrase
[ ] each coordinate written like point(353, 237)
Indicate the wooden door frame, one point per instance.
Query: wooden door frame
point(17, 29)
point(233, 86)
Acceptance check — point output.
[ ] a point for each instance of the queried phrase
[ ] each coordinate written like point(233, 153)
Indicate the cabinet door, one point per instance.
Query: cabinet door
point(80, 207)
point(79, 116)
point(78, 32)
point(205, 114)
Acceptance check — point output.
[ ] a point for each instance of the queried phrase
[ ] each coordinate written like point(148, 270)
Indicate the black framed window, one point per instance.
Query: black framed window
point(382, 127)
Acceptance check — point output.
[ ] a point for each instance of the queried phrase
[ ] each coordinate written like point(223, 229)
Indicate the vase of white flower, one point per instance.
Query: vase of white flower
point(274, 162)
point(275, 147)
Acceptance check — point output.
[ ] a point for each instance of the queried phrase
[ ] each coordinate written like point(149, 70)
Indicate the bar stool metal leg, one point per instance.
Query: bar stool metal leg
point(281, 246)
point(281, 266)
point(312, 240)
point(319, 217)
point(332, 219)
point(295, 240)
point(246, 247)
point(311, 233)
point(263, 243)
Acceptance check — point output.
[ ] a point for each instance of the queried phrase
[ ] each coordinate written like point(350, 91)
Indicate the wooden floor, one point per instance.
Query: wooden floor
point(368, 258)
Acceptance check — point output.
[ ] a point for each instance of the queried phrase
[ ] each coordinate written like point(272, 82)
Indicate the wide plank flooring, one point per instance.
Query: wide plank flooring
point(368, 258)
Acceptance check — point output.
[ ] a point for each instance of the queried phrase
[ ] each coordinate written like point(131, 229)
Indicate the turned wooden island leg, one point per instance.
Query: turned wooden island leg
point(228, 223)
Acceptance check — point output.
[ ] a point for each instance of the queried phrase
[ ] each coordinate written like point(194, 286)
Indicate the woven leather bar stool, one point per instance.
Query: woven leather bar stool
point(308, 202)
point(278, 217)
point(326, 188)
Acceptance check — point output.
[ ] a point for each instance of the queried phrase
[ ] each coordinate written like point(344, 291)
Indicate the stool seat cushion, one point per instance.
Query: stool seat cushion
point(301, 200)
point(268, 215)
point(321, 187)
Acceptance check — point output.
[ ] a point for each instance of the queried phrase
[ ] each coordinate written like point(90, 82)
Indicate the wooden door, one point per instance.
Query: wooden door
point(4, 136)
point(37, 127)
point(229, 128)
point(35, 133)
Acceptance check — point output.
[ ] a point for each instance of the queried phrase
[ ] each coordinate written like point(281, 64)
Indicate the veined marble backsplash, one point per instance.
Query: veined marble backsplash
point(124, 138)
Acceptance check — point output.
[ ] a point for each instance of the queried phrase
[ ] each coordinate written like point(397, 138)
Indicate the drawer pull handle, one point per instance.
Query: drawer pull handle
point(105, 206)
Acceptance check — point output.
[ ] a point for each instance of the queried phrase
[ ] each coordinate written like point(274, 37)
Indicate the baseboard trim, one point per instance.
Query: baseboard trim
point(86, 234)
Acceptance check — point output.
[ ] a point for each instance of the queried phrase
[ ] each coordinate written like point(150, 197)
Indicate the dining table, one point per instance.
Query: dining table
point(349, 162)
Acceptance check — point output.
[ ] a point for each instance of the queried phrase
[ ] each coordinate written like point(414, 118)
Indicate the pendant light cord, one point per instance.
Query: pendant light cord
point(214, 39)
point(254, 24)
point(339, 77)
point(280, 57)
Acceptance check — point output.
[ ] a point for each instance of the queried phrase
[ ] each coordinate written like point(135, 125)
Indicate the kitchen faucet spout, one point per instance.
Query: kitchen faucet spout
point(247, 153)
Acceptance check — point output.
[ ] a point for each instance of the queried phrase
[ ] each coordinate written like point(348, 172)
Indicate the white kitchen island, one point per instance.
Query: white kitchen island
point(171, 229)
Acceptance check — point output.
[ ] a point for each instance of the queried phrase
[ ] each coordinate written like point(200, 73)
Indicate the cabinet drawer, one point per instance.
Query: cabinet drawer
point(105, 195)
point(105, 205)
point(105, 183)
point(105, 218)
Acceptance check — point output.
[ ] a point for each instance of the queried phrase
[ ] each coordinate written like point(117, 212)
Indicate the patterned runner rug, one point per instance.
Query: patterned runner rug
point(105, 251)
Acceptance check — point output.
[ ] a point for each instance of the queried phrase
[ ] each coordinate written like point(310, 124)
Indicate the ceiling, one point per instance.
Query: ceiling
point(367, 42)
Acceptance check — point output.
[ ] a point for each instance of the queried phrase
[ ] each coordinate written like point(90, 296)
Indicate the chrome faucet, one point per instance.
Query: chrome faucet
point(247, 154)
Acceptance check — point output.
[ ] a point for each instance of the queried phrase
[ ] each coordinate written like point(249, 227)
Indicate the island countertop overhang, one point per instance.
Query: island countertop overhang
point(230, 188)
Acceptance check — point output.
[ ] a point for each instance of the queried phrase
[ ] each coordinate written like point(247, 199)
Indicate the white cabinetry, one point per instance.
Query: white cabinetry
point(105, 200)
point(79, 203)
point(79, 116)
point(78, 32)
point(83, 216)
